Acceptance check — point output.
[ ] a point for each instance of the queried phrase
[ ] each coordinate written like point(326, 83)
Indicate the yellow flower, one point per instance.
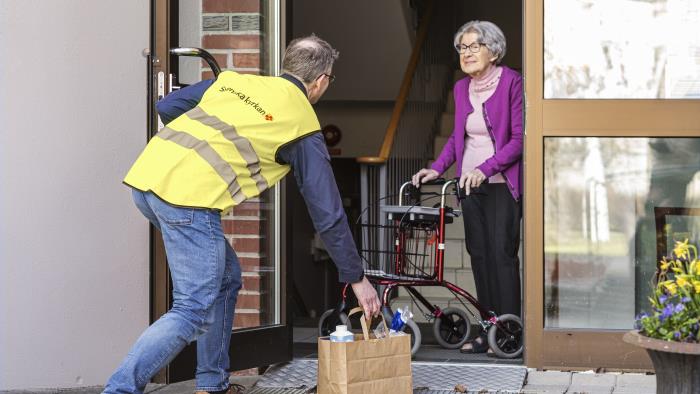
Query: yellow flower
point(671, 287)
point(665, 264)
point(696, 284)
point(681, 249)
point(681, 281)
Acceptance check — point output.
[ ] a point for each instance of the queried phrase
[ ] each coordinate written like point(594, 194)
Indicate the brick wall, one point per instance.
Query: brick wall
point(232, 31)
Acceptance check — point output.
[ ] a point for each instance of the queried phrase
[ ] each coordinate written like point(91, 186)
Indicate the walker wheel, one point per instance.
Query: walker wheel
point(506, 337)
point(329, 319)
point(452, 328)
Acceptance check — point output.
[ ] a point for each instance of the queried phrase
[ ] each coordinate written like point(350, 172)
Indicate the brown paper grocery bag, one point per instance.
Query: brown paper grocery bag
point(366, 366)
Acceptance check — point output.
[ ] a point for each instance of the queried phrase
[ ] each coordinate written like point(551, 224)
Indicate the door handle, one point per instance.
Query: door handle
point(198, 52)
point(192, 52)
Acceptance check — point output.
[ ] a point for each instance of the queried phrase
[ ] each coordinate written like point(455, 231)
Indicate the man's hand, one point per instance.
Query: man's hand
point(470, 179)
point(424, 175)
point(367, 297)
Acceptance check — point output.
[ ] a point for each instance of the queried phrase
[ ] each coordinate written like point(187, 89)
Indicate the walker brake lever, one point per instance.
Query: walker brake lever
point(459, 192)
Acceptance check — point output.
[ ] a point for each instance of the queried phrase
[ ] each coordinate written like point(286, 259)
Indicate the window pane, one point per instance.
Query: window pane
point(240, 35)
point(621, 49)
point(602, 196)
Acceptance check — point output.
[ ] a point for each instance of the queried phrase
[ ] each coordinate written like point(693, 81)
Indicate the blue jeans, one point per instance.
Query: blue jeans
point(206, 278)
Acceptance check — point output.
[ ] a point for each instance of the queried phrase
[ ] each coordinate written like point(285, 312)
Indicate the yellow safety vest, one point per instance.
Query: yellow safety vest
point(223, 151)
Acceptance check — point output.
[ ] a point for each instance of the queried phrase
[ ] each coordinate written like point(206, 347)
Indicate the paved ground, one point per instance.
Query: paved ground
point(552, 382)
point(545, 382)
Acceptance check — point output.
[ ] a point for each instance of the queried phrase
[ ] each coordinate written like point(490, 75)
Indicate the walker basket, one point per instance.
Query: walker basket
point(399, 249)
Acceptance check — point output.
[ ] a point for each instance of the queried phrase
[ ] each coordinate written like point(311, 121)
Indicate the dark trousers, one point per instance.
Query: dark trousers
point(492, 235)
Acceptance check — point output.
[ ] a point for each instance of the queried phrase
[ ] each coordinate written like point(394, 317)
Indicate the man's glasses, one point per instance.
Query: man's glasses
point(331, 77)
point(474, 47)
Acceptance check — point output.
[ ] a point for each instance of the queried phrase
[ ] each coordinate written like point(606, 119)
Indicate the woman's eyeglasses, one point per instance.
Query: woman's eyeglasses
point(474, 47)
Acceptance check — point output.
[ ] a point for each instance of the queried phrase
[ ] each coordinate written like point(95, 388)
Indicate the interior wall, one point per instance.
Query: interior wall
point(362, 124)
point(372, 37)
point(73, 249)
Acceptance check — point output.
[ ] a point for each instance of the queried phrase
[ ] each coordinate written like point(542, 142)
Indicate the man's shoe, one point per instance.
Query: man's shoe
point(234, 388)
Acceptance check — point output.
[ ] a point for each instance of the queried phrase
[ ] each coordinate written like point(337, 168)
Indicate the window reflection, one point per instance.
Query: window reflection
point(240, 37)
point(600, 224)
point(621, 49)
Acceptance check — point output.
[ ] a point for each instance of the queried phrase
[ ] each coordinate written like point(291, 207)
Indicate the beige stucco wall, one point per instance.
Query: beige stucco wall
point(73, 249)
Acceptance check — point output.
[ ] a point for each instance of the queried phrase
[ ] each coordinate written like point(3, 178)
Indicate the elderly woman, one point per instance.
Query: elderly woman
point(486, 145)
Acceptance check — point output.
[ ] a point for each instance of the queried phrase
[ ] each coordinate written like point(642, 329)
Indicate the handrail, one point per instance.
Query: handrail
point(385, 149)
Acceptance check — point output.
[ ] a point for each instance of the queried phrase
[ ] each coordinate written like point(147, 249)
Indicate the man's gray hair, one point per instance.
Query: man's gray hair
point(488, 34)
point(308, 57)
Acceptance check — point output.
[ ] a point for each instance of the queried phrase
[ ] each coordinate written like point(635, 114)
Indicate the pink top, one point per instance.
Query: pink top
point(478, 145)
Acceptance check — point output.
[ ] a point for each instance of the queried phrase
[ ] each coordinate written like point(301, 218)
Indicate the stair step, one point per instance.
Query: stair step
point(439, 143)
point(462, 277)
point(434, 86)
point(449, 174)
point(447, 121)
point(450, 105)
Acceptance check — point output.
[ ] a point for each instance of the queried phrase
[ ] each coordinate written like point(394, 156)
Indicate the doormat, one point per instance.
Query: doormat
point(300, 374)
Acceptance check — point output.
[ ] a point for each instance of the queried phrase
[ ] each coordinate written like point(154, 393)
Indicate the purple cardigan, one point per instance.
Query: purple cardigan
point(503, 114)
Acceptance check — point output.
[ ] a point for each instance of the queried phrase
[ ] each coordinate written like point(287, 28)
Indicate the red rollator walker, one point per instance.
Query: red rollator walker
point(408, 250)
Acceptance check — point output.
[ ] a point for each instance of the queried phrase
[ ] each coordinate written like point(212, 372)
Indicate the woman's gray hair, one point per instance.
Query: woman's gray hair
point(308, 57)
point(489, 34)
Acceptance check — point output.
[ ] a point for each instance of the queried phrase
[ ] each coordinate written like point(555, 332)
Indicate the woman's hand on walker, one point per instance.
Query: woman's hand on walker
point(367, 297)
point(424, 175)
point(470, 179)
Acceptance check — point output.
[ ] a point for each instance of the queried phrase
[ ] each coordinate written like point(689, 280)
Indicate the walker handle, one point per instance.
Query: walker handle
point(436, 181)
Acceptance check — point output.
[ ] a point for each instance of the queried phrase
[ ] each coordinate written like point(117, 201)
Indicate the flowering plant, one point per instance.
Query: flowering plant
point(676, 300)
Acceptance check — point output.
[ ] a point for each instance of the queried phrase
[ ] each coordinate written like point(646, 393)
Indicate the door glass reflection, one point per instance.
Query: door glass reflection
point(621, 49)
point(239, 35)
point(606, 202)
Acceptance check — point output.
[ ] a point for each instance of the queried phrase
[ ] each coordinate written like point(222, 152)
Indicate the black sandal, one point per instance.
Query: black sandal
point(478, 345)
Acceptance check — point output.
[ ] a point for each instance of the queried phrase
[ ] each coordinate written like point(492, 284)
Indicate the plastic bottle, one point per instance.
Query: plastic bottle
point(401, 317)
point(341, 334)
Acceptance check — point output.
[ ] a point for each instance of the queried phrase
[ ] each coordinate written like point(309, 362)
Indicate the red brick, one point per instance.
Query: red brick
point(246, 60)
point(237, 226)
point(248, 245)
point(231, 41)
point(207, 75)
point(231, 6)
point(247, 209)
point(242, 320)
point(221, 60)
point(251, 283)
point(248, 301)
point(250, 264)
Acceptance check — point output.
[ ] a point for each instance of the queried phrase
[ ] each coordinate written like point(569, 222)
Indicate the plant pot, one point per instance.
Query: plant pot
point(677, 364)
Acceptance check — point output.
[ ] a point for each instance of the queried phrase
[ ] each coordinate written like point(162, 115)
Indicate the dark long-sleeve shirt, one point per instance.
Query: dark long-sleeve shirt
point(310, 163)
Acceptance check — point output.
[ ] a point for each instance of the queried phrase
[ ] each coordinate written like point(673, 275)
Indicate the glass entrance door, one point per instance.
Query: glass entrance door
point(612, 169)
point(243, 36)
